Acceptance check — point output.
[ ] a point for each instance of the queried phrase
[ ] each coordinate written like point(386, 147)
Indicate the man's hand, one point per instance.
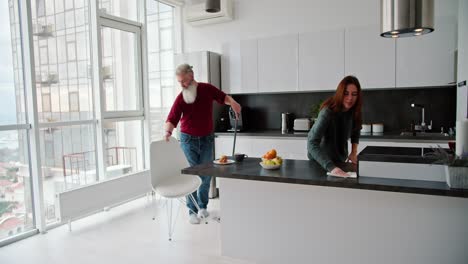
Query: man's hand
point(235, 105)
point(339, 172)
point(352, 157)
point(167, 135)
point(237, 108)
point(168, 128)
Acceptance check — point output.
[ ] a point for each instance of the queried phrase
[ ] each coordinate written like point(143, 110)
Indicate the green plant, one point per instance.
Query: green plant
point(442, 156)
point(315, 109)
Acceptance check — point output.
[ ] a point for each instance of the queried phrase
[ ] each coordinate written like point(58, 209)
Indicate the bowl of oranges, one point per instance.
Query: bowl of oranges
point(271, 161)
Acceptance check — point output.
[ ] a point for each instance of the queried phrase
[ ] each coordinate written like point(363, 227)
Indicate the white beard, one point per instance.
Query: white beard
point(189, 94)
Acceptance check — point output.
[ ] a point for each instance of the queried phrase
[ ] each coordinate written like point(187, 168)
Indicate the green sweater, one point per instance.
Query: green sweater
point(327, 142)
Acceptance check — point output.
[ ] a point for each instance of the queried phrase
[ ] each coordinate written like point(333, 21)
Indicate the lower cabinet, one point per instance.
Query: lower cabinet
point(295, 148)
point(290, 148)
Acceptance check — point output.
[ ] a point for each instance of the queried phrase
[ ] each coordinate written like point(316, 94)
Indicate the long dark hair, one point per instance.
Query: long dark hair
point(335, 103)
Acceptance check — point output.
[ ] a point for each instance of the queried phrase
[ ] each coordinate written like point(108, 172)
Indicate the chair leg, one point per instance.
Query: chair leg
point(196, 205)
point(171, 222)
point(155, 205)
point(169, 217)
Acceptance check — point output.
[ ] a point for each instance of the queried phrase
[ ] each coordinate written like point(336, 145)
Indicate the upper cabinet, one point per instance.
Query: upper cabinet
point(277, 64)
point(239, 67)
point(428, 60)
point(231, 68)
point(249, 65)
point(318, 61)
point(370, 57)
point(321, 60)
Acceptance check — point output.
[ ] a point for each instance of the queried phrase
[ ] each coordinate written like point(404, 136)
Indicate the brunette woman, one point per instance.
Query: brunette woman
point(339, 120)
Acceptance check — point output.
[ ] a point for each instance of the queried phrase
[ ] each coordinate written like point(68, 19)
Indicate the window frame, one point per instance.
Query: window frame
point(125, 25)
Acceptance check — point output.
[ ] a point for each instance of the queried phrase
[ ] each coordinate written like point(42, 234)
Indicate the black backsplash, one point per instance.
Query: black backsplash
point(391, 107)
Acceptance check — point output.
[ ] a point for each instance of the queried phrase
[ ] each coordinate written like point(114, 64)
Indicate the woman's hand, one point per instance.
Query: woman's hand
point(339, 172)
point(352, 157)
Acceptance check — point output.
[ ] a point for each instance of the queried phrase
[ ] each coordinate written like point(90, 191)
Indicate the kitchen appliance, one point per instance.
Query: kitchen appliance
point(406, 18)
point(377, 128)
point(366, 128)
point(286, 122)
point(302, 124)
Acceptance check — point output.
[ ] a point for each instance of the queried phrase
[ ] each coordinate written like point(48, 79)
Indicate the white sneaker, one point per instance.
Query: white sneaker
point(193, 219)
point(203, 213)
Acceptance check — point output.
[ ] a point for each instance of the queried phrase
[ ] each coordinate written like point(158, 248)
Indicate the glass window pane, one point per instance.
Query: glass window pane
point(62, 57)
point(160, 42)
point(124, 147)
point(68, 161)
point(16, 213)
point(121, 8)
point(74, 102)
point(12, 110)
point(166, 38)
point(120, 71)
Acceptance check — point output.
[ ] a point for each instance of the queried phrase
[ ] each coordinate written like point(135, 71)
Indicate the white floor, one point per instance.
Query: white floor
point(125, 234)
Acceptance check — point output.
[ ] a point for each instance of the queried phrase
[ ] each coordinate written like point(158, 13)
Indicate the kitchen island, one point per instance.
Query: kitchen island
point(298, 214)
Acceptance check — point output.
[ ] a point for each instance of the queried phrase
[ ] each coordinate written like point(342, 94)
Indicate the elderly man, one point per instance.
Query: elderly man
point(193, 107)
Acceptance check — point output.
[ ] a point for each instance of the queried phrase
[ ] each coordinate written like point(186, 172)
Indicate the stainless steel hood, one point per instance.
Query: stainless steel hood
point(406, 18)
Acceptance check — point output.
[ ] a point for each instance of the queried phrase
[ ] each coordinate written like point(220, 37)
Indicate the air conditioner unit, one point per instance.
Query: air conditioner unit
point(197, 16)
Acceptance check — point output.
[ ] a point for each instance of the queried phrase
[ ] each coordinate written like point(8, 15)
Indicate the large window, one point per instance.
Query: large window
point(161, 68)
point(64, 97)
point(16, 211)
point(72, 112)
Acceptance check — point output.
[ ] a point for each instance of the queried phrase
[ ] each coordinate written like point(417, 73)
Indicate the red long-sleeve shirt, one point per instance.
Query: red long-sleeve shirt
point(197, 118)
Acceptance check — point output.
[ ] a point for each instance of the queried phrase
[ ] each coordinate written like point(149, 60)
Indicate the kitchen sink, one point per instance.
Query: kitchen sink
point(425, 134)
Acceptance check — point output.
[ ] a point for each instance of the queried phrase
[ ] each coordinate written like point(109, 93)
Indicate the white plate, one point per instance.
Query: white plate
point(270, 167)
point(229, 161)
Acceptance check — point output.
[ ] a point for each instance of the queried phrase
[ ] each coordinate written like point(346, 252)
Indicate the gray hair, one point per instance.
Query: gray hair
point(184, 68)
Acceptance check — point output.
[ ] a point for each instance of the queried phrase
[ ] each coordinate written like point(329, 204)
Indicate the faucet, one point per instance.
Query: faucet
point(423, 126)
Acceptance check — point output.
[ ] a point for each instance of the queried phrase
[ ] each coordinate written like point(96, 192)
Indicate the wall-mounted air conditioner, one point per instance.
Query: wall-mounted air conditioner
point(196, 15)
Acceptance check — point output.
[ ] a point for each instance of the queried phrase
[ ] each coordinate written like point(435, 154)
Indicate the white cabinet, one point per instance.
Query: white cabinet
point(223, 145)
point(256, 147)
point(290, 148)
point(321, 60)
point(277, 64)
point(428, 60)
point(239, 67)
point(249, 65)
point(231, 68)
point(370, 57)
point(296, 148)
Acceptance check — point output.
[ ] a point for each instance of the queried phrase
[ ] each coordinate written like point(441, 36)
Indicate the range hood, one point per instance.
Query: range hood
point(406, 18)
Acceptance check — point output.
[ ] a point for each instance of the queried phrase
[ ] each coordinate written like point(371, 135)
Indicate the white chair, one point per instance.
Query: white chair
point(167, 160)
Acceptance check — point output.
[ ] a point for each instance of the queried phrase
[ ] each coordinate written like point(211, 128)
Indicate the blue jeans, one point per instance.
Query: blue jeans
point(198, 150)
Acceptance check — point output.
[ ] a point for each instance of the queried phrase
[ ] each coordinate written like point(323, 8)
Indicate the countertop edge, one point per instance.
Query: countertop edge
point(345, 183)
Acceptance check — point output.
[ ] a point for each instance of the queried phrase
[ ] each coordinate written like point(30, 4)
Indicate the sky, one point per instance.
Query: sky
point(7, 88)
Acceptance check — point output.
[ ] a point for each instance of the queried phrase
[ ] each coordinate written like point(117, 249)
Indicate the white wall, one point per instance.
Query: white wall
point(262, 18)
point(462, 74)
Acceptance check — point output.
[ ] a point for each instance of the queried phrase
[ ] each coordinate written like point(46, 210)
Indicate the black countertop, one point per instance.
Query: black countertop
point(397, 154)
point(310, 173)
point(381, 136)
